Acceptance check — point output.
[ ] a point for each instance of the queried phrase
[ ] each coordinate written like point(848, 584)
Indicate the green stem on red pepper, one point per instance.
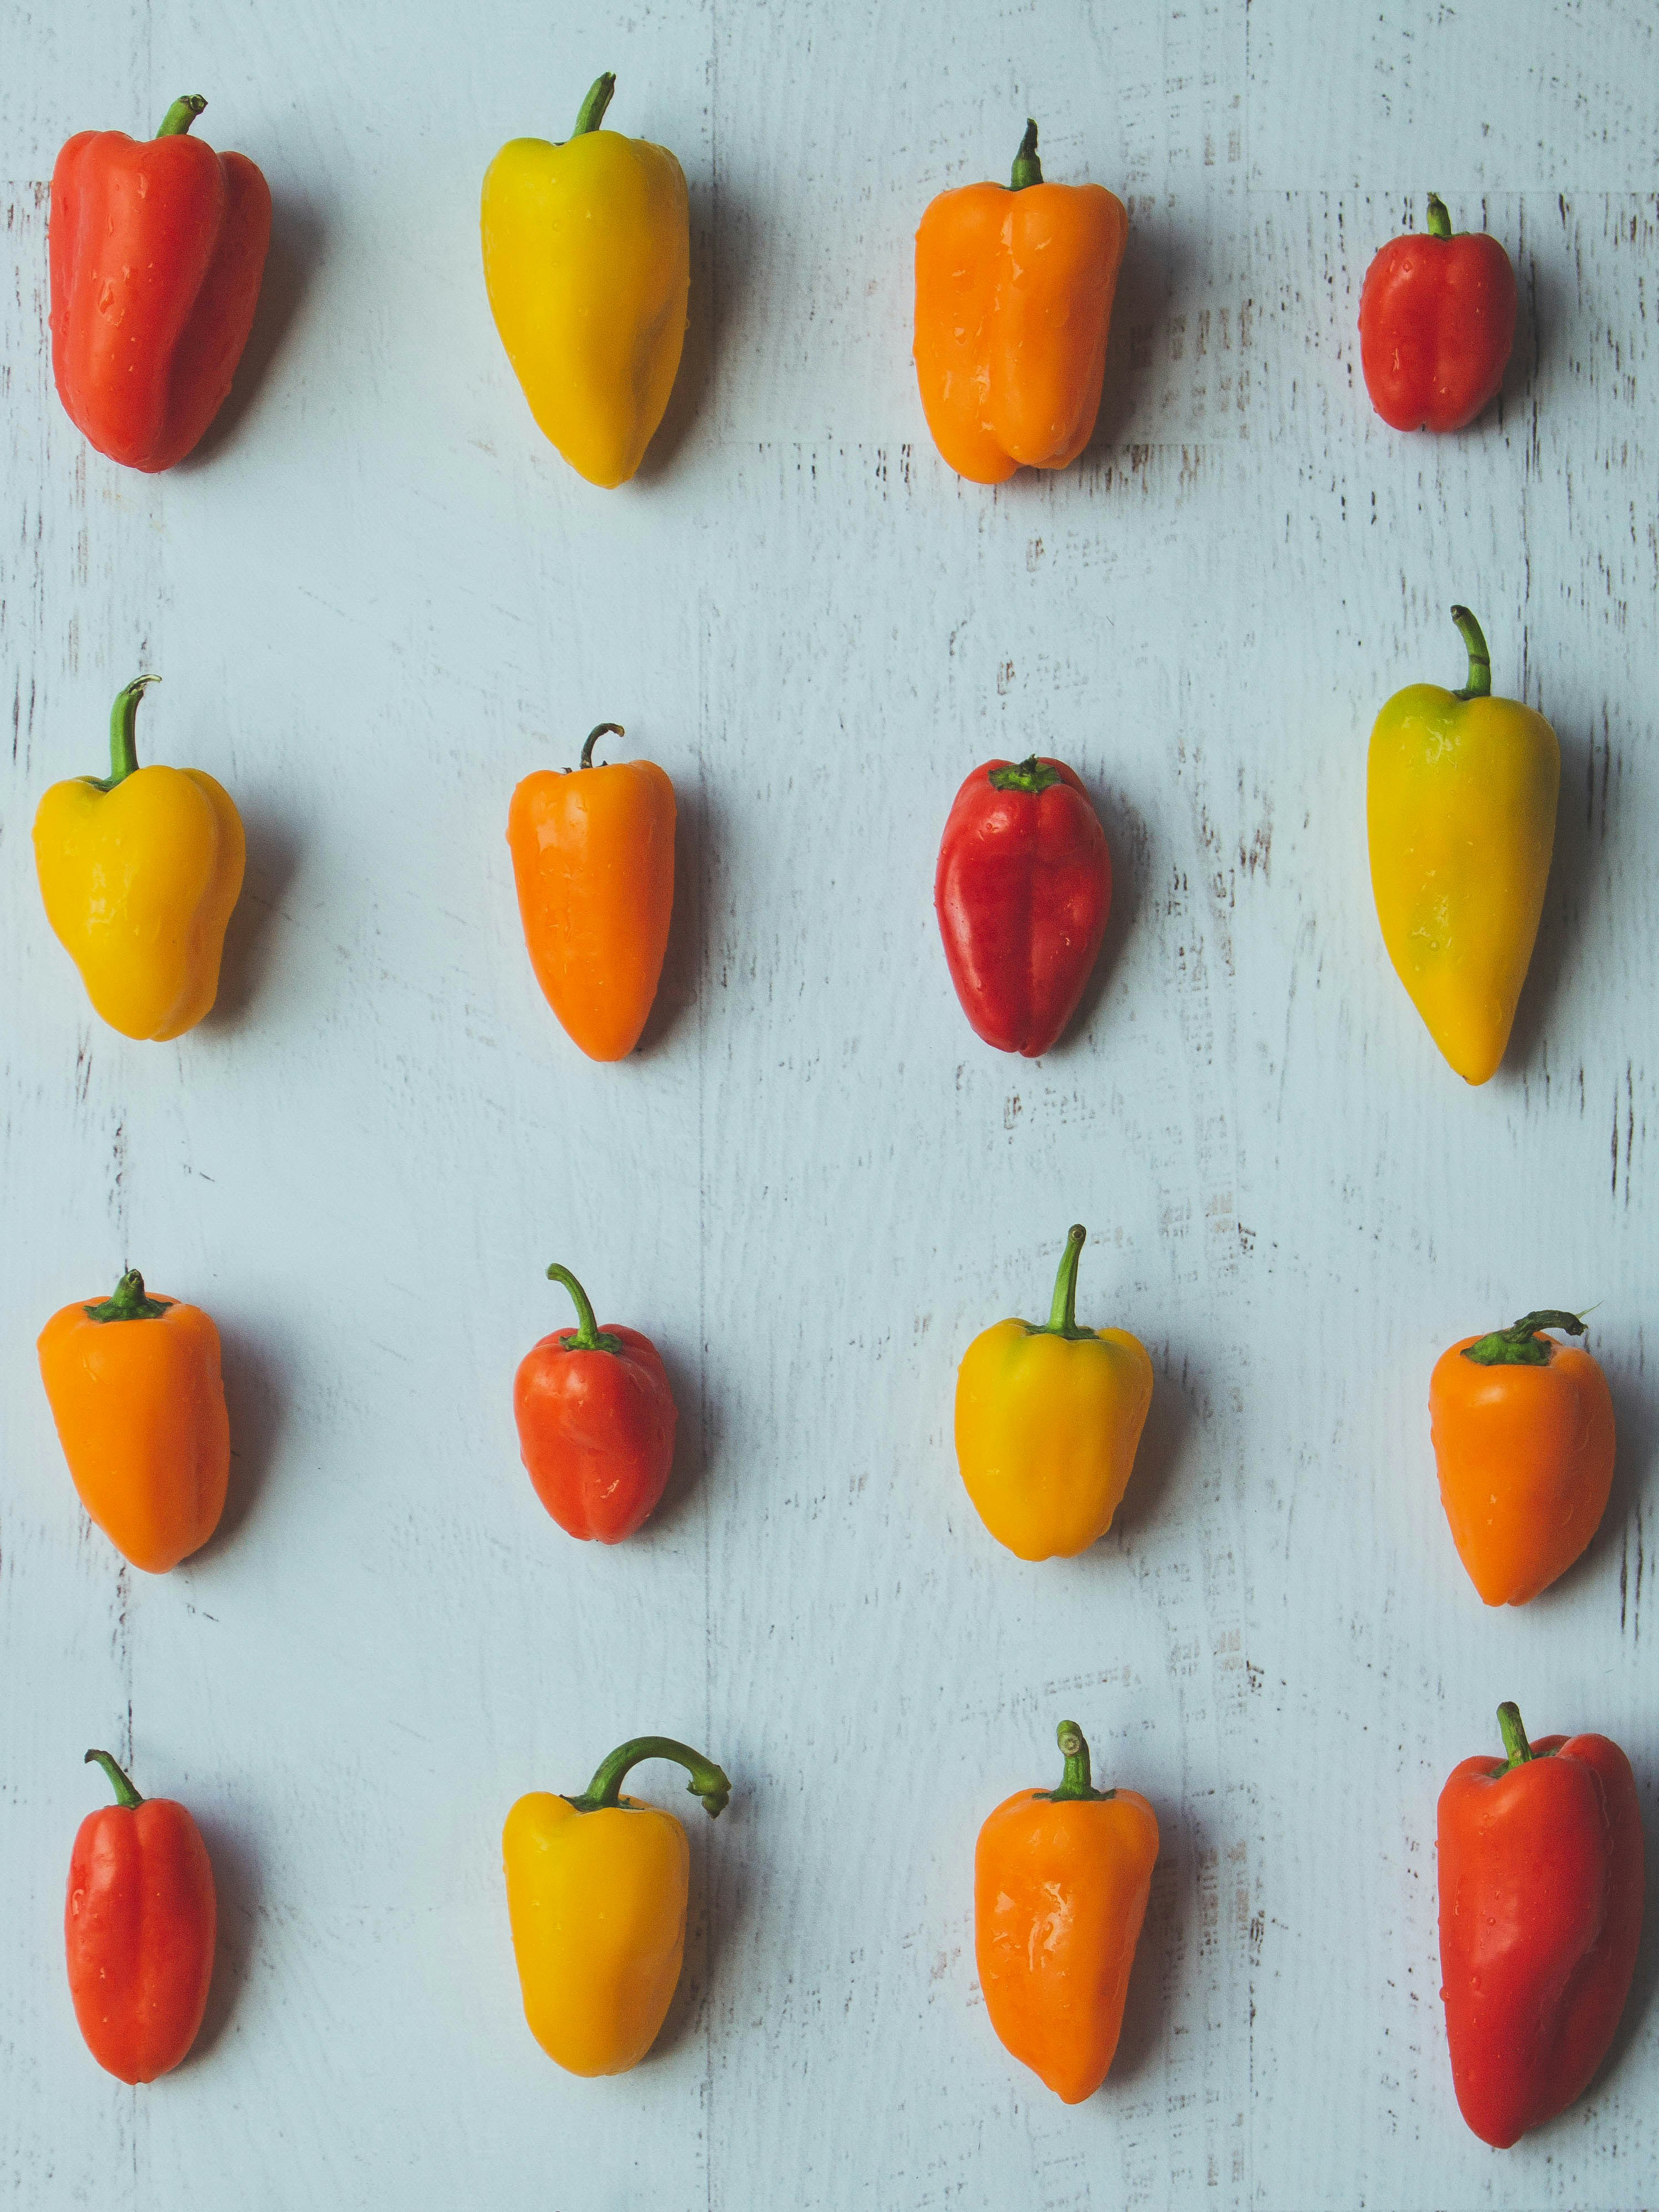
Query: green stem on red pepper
point(182, 113)
point(125, 1794)
point(1030, 775)
point(1480, 684)
point(1439, 221)
point(1074, 1782)
point(589, 1336)
point(707, 1781)
point(1516, 1747)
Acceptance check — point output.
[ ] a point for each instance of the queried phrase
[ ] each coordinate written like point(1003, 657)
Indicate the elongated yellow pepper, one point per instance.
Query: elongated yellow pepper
point(596, 1891)
point(587, 262)
point(138, 876)
point(1048, 1422)
point(1460, 803)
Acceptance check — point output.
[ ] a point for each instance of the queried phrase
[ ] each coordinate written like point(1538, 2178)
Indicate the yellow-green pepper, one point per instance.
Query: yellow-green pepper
point(587, 262)
point(1460, 805)
point(1048, 1422)
point(138, 875)
point(596, 1891)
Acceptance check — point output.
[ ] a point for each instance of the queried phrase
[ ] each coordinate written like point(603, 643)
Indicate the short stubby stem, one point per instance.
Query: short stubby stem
point(1028, 170)
point(1030, 775)
point(1521, 1345)
point(1439, 221)
point(182, 113)
point(707, 1781)
point(128, 1301)
point(125, 1794)
point(589, 1336)
point(1480, 684)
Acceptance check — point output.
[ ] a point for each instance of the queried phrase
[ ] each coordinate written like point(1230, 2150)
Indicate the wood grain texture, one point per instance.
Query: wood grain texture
point(377, 598)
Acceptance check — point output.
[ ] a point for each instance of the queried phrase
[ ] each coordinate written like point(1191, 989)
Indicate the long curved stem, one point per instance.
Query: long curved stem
point(123, 729)
point(591, 113)
point(598, 731)
point(125, 1794)
point(1062, 1313)
point(182, 113)
point(707, 1781)
point(589, 1336)
point(1480, 684)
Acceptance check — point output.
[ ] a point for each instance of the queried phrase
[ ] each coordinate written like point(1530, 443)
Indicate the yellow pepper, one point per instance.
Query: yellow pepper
point(1048, 1422)
point(1459, 804)
point(138, 876)
point(587, 262)
point(596, 1891)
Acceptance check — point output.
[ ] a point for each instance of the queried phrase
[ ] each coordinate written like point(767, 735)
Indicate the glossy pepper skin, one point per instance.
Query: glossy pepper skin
point(1436, 321)
point(1460, 805)
point(1523, 1442)
point(1023, 890)
point(587, 262)
point(593, 863)
point(596, 1891)
point(134, 1389)
point(1048, 1421)
point(596, 1423)
point(1014, 290)
point(139, 1926)
point(1541, 1882)
point(1060, 1882)
point(139, 873)
point(157, 248)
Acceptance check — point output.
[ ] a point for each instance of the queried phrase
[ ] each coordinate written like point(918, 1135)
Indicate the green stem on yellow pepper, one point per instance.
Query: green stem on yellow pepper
point(123, 734)
point(707, 1781)
point(182, 113)
point(591, 113)
point(1028, 170)
point(1074, 1782)
point(1480, 684)
point(1062, 1314)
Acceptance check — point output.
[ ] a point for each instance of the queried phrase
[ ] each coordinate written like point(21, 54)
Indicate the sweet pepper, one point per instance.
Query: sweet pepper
point(1047, 1419)
point(593, 863)
point(134, 1386)
point(1459, 804)
point(1061, 1878)
point(596, 1422)
point(1523, 1441)
point(1014, 289)
point(157, 247)
point(139, 872)
point(1022, 891)
point(587, 262)
point(139, 1925)
point(1436, 321)
point(596, 1892)
point(1541, 1882)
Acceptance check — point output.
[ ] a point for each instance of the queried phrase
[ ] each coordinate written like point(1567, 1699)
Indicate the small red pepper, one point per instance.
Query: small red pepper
point(1540, 1911)
point(596, 1423)
point(1437, 320)
point(1022, 891)
point(157, 249)
point(139, 1926)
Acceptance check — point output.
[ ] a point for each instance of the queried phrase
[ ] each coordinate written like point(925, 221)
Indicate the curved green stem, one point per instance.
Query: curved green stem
point(182, 113)
point(591, 113)
point(128, 1301)
point(1480, 684)
point(1062, 1313)
point(614, 729)
point(1030, 775)
point(589, 1336)
point(125, 1794)
point(1439, 221)
point(1521, 1345)
point(1028, 170)
point(123, 733)
point(1074, 1782)
point(707, 1782)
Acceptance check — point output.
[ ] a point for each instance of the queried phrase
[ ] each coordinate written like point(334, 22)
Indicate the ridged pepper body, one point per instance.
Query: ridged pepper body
point(1014, 291)
point(588, 264)
point(157, 248)
point(1436, 321)
point(1541, 1890)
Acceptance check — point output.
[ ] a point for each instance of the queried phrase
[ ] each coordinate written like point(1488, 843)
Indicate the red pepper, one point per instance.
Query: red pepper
point(139, 1929)
point(596, 1423)
point(157, 249)
point(1022, 891)
point(1437, 320)
point(1540, 1911)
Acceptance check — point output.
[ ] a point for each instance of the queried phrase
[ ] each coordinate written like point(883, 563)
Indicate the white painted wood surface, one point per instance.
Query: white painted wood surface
point(376, 598)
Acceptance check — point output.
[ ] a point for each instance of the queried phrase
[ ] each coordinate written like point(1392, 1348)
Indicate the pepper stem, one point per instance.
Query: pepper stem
point(1439, 221)
point(1480, 684)
point(589, 1336)
point(125, 1794)
point(1030, 775)
point(1062, 1314)
point(128, 1302)
point(615, 730)
point(591, 113)
point(1074, 1782)
point(124, 731)
point(1515, 1736)
point(1521, 1345)
point(707, 1782)
point(1028, 170)
point(182, 113)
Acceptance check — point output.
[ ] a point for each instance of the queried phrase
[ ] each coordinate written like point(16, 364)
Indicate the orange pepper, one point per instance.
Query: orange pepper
point(1060, 1882)
point(1014, 287)
point(1523, 1441)
point(593, 861)
point(134, 1386)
